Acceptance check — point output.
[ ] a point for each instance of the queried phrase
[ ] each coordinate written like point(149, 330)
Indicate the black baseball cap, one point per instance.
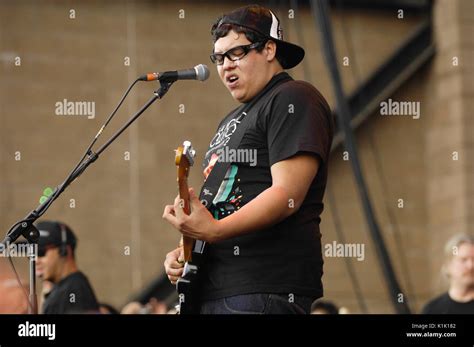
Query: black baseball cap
point(54, 234)
point(265, 22)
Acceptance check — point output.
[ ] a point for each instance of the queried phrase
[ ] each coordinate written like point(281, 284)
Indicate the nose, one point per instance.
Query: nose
point(228, 64)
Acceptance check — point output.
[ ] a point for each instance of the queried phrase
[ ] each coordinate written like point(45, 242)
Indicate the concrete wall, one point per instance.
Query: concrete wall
point(413, 160)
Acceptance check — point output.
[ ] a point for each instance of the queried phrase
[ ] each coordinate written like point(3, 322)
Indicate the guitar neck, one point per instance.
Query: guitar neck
point(184, 196)
point(188, 243)
point(184, 159)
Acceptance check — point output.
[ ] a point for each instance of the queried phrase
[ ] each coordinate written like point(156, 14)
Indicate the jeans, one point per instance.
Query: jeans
point(260, 303)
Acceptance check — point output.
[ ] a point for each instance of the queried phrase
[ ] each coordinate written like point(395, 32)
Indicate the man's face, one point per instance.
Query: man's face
point(461, 267)
point(48, 266)
point(250, 72)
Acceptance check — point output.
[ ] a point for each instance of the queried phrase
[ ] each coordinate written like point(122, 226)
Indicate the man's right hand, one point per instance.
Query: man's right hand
point(174, 264)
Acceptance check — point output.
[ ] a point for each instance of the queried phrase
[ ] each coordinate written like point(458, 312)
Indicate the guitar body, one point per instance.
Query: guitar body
point(187, 286)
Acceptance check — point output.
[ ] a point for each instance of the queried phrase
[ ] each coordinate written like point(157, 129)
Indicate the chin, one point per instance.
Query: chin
point(237, 95)
point(239, 98)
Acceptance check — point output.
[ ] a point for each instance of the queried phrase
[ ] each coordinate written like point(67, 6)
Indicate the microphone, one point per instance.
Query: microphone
point(199, 72)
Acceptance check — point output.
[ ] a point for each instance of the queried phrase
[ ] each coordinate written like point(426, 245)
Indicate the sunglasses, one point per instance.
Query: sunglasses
point(235, 53)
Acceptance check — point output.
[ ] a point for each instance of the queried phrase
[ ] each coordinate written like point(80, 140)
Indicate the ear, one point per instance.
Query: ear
point(70, 252)
point(270, 50)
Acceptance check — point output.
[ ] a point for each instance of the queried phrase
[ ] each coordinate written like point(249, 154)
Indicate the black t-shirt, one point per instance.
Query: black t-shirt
point(73, 294)
point(285, 258)
point(443, 304)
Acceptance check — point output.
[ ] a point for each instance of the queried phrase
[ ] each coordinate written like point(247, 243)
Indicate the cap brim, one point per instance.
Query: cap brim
point(292, 53)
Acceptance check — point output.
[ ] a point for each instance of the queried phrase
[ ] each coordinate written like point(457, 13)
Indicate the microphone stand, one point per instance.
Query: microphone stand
point(25, 226)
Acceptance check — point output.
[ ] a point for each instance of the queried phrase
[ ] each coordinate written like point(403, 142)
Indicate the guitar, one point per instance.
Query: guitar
point(193, 249)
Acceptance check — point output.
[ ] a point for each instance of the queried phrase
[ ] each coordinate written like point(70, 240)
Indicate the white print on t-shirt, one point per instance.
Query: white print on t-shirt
point(222, 137)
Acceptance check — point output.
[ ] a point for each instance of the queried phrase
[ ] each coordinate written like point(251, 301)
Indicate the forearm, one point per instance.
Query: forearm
point(268, 208)
point(291, 179)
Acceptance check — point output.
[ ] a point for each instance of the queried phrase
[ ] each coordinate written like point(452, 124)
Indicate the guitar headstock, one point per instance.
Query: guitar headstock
point(184, 159)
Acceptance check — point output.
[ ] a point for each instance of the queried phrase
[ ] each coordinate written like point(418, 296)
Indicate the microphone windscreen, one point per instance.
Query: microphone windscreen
point(202, 72)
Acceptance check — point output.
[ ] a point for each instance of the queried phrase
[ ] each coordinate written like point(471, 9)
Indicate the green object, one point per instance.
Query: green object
point(48, 192)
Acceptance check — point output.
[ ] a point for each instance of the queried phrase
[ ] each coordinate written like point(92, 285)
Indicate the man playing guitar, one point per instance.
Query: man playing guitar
point(263, 252)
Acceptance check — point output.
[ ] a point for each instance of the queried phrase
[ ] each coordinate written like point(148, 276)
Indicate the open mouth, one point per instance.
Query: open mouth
point(232, 80)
